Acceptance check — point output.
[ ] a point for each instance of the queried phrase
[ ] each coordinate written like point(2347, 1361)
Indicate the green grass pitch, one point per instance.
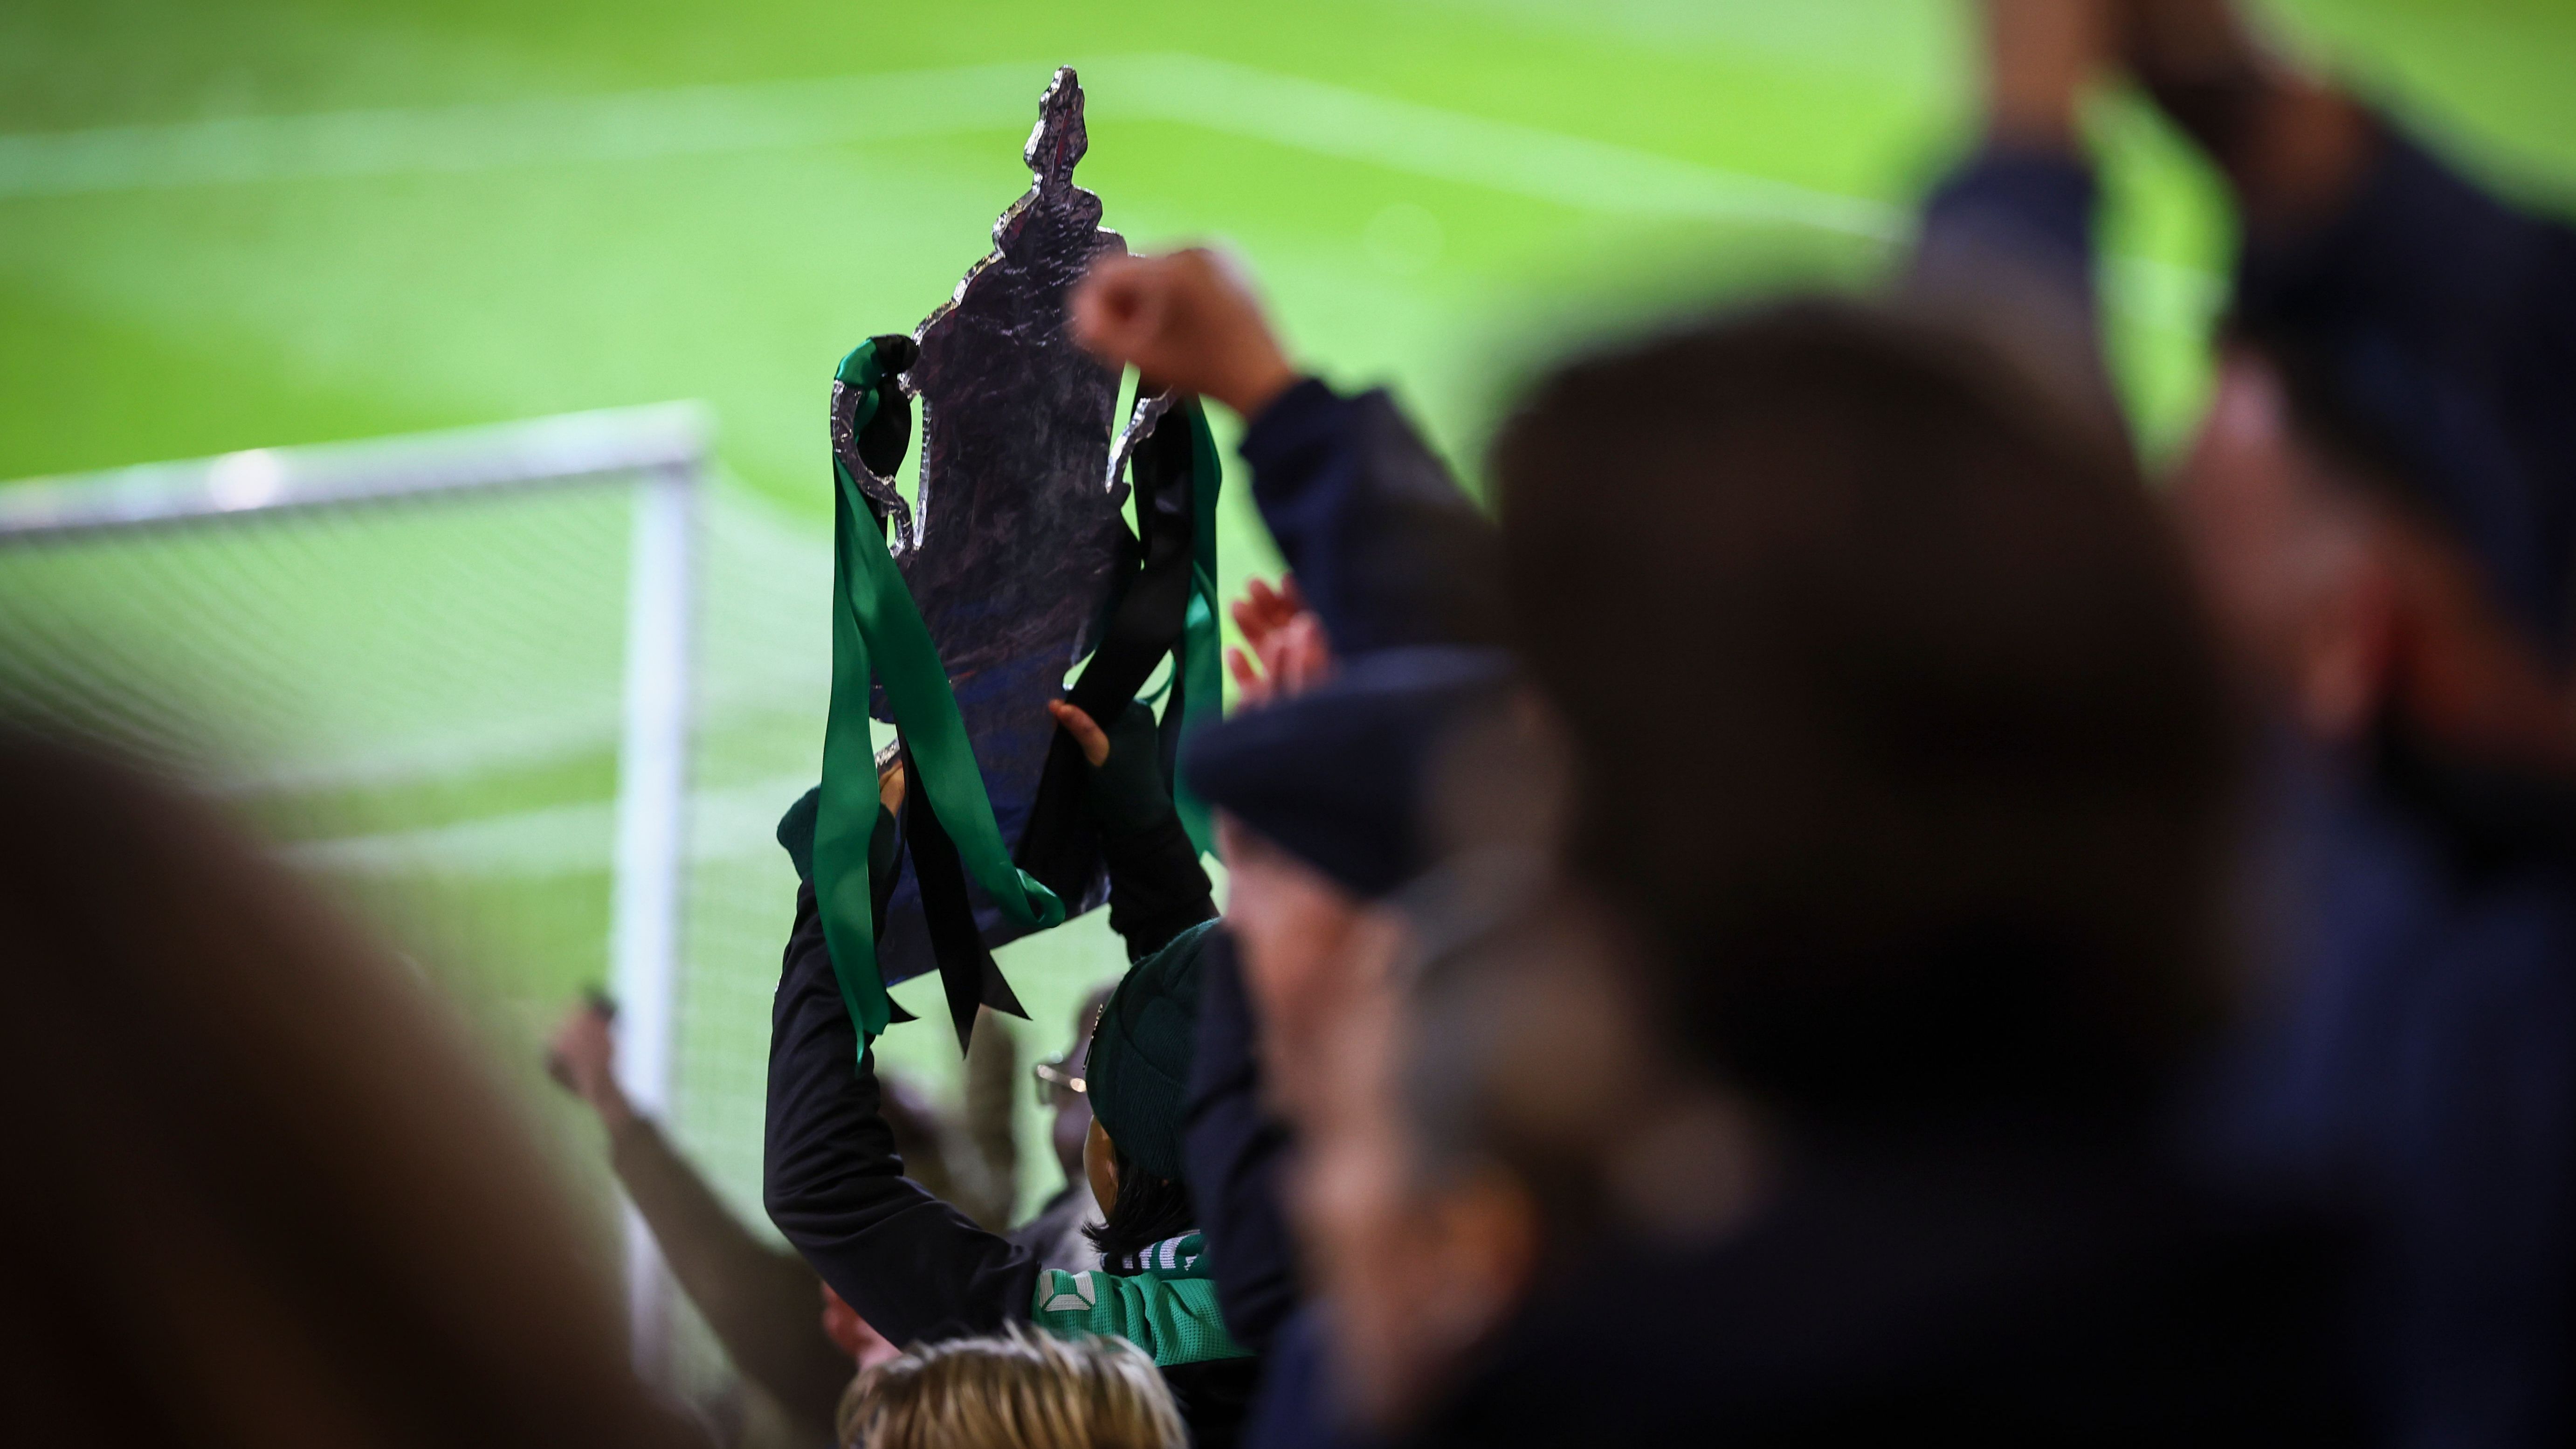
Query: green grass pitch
point(497, 210)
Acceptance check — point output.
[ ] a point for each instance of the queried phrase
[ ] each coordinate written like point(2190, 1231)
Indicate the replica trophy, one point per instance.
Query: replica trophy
point(959, 614)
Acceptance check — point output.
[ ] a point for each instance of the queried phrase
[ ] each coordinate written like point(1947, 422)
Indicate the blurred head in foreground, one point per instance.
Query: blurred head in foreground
point(1021, 1388)
point(264, 1195)
point(1895, 721)
point(1484, 1119)
point(1067, 1095)
point(1324, 802)
point(1442, 1049)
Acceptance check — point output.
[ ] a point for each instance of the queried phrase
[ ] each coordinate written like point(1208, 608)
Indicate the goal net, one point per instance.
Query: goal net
point(532, 697)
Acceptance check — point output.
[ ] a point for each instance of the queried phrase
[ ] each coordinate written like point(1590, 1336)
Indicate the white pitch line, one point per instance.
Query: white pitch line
point(620, 126)
point(728, 824)
point(1246, 102)
point(1447, 145)
point(1213, 95)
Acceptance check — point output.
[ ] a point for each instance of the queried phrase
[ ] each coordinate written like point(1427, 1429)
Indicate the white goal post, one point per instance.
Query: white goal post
point(663, 453)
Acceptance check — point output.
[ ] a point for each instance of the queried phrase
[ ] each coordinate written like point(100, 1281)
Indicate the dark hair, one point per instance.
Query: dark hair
point(1149, 1209)
point(235, 1110)
point(1897, 724)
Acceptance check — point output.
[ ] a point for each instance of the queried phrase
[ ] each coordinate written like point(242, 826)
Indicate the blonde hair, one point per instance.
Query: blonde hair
point(1018, 1388)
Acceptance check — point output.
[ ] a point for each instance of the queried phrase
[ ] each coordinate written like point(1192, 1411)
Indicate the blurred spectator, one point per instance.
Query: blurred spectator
point(984, 1161)
point(1922, 819)
point(1322, 799)
point(1896, 768)
point(1058, 1234)
point(2382, 508)
point(947, 1156)
point(1325, 816)
point(262, 1193)
point(1236, 1135)
point(1017, 1388)
point(919, 1271)
point(1394, 558)
point(782, 1329)
point(1492, 1116)
point(1386, 551)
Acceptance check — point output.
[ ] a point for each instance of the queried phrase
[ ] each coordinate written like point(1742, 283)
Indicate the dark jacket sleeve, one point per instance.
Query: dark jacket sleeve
point(1235, 1152)
point(912, 1266)
point(762, 1301)
point(1387, 548)
point(2433, 328)
point(1157, 888)
point(2005, 253)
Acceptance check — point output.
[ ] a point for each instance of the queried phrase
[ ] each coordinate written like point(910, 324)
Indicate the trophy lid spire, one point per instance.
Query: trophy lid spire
point(1059, 139)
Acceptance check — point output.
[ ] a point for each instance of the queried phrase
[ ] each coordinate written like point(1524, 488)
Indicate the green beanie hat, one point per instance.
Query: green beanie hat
point(1139, 1073)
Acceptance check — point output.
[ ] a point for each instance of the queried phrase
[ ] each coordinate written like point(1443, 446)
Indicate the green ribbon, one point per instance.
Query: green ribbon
point(878, 637)
point(1198, 667)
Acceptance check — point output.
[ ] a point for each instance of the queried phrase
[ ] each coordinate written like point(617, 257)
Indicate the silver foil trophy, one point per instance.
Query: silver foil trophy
point(1012, 544)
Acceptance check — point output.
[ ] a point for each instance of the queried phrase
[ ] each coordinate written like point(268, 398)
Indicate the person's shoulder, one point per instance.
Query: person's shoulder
point(1189, 943)
point(1166, 1305)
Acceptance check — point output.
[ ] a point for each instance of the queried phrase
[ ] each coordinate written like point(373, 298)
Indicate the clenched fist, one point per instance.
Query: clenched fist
point(1188, 320)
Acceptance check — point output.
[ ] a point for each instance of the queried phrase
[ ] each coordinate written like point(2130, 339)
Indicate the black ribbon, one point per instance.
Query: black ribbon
point(1059, 845)
point(967, 973)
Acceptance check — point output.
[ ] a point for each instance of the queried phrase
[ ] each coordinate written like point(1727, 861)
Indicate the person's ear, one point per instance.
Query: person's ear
point(1100, 1165)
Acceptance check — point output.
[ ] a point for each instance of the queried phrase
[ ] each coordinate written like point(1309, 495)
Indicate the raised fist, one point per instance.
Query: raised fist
point(1188, 320)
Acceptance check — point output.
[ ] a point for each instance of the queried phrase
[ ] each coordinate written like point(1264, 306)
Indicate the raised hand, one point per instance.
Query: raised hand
point(1085, 732)
point(2293, 145)
point(1263, 610)
point(1127, 793)
point(582, 1058)
point(2041, 55)
point(1188, 320)
point(1289, 650)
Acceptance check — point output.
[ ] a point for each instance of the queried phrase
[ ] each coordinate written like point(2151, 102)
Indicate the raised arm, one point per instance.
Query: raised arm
point(2006, 248)
point(2421, 324)
point(760, 1300)
point(1389, 550)
point(1157, 889)
point(913, 1267)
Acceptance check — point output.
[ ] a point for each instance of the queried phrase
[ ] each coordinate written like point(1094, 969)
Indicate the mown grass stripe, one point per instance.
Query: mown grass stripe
point(1214, 95)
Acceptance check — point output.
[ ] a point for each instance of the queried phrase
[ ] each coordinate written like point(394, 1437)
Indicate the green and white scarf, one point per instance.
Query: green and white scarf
point(1167, 1307)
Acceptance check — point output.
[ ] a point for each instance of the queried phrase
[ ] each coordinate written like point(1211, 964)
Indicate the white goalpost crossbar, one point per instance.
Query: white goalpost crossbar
point(665, 450)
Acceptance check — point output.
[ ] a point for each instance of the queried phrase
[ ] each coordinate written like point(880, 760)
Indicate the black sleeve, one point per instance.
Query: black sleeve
point(911, 1265)
point(1235, 1153)
point(1387, 548)
point(1157, 888)
point(2006, 253)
